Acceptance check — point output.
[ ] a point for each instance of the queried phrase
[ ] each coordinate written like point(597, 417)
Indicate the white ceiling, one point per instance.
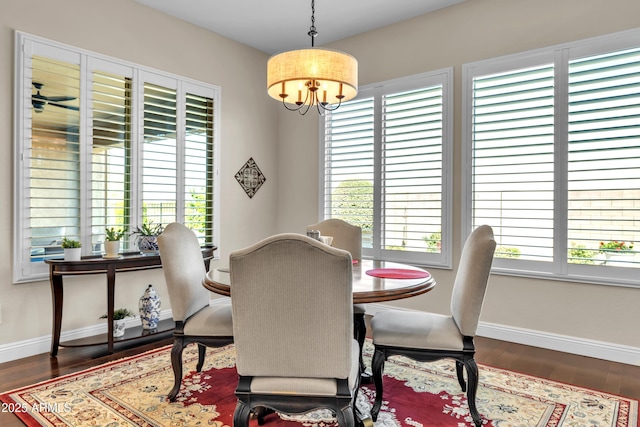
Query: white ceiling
point(278, 25)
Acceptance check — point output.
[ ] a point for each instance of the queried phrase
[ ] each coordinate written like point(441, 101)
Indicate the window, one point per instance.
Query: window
point(103, 143)
point(387, 168)
point(553, 143)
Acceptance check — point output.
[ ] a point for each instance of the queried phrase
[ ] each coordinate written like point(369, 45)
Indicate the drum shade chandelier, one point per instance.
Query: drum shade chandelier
point(305, 78)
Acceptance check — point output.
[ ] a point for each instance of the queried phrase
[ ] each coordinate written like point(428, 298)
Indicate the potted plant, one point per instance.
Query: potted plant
point(119, 317)
point(112, 242)
point(615, 246)
point(72, 249)
point(147, 236)
point(617, 253)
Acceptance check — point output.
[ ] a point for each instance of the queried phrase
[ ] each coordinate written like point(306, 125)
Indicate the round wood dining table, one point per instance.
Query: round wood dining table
point(367, 288)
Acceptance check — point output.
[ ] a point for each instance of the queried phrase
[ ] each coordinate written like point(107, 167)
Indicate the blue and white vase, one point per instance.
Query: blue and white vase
point(149, 306)
point(148, 243)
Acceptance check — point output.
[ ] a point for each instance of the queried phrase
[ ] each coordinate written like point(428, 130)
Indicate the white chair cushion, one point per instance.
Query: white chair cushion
point(307, 386)
point(213, 320)
point(416, 330)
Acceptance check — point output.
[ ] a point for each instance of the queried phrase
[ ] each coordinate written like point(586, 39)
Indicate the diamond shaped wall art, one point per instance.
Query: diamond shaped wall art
point(250, 177)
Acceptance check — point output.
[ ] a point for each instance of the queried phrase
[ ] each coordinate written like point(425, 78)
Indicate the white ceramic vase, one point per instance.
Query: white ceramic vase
point(72, 254)
point(118, 327)
point(111, 248)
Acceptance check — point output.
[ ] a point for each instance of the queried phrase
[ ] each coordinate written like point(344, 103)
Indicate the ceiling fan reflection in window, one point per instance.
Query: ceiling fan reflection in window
point(39, 101)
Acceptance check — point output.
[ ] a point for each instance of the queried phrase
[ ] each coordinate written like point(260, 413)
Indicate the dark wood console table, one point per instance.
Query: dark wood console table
point(132, 261)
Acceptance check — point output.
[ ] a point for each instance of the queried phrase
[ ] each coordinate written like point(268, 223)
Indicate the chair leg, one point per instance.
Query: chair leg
point(460, 373)
point(359, 333)
point(176, 364)
point(377, 365)
point(202, 351)
point(346, 417)
point(472, 388)
point(241, 414)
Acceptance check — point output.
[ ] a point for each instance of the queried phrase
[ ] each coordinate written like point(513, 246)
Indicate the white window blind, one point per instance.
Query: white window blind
point(348, 163)
point(554, 149)
point(412, 169)
point(53, 157)
point(604, 155)
point(384, 168)
point(111, 155)
point(199, 158)
point(513, 160)
point(159, 154)
point(113, 144)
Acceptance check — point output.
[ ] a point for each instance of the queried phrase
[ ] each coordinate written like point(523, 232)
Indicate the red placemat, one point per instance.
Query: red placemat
point(397, 273)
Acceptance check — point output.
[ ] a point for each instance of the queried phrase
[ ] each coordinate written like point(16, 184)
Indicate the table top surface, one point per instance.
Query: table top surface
point(366, 288)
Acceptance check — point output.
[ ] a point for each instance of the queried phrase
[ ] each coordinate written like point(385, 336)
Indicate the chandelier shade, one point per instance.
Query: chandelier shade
point(312, 76)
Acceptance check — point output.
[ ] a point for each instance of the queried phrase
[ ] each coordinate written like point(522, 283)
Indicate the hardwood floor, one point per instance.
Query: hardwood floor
point(587, 372)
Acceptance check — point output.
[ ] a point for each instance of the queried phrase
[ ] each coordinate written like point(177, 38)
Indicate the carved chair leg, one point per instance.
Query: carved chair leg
point(460, 373)
point(241, 415)
point(359, 333)
point(377, 365)
point(345, 417)
point(176, 364)
point(202, 351)
point(472, 388)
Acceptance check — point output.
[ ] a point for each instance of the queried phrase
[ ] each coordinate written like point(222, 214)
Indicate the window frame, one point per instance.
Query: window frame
point(443, 77)
point(559, 56)
point(23, 269)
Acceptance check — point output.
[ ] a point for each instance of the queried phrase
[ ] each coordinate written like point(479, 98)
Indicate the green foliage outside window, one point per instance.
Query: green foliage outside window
point(433, 241)
point(507, 252)
point(352, 201)
point(579, 254)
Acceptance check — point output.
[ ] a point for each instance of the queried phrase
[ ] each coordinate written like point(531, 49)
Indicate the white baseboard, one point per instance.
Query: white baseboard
point(567, 344)
point(590, 348)
point(31, 347)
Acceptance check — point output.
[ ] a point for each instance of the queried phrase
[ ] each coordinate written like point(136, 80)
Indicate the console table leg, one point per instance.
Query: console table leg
point(56, 297)
point(111, 290)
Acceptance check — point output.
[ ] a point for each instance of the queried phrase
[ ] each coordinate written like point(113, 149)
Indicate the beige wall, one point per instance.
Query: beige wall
point(132, 32)
point(472, 31)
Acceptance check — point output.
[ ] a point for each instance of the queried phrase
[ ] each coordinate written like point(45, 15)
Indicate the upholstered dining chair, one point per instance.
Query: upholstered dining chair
point(348, 237)
point(427, 337)
point(293, 328)
point(196, 320)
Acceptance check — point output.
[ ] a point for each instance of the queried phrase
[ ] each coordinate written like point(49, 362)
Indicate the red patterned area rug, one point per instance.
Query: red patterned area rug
point(132, 392)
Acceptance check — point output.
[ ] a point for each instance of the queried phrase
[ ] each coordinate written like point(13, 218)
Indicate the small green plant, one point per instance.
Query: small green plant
point(70, 243)
point(615, 246)
point(434, 241)
point(120, 314)
point(148, 229)
point(579, 254)
point(113, 235)
point(507, 252)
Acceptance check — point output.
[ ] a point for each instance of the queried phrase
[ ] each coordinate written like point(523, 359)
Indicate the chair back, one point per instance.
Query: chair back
point(345, 236)
point(471, 279)
point(184, 270)
point(292, 308)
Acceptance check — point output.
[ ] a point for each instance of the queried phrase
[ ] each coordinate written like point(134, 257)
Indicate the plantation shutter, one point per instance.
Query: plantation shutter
point(349, 165)
point(111, 155)
point(384, 156)
point(604, 151)
point(53, 157)
point(411, 176)
point(513, 160)
point(199, 164)
point(159, 155)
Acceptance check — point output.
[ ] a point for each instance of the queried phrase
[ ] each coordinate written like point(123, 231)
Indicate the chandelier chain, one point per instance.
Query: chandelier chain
point(312, 30)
